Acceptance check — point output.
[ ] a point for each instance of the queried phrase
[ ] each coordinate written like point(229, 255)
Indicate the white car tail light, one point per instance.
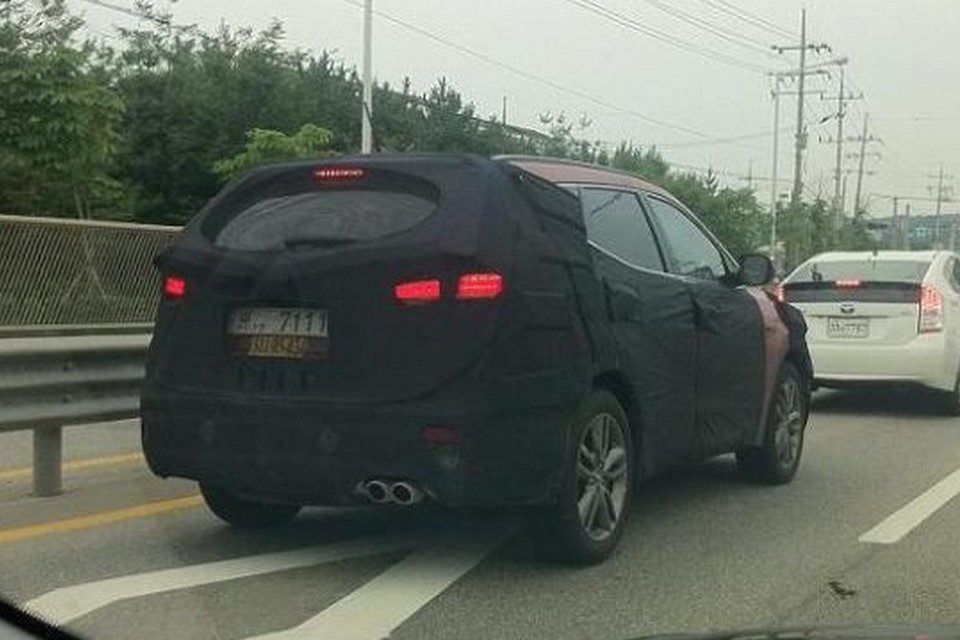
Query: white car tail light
point(931, 309)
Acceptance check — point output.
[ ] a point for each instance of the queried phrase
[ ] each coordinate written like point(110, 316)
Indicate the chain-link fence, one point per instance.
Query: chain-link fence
point(56, 271)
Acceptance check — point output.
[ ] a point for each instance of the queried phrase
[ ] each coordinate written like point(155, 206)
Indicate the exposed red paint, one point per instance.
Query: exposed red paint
point(561, 172)
point(776, 341)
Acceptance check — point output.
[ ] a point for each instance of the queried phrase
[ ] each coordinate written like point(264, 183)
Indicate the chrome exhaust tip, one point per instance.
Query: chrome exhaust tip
point(406, 494)
point(377, 491)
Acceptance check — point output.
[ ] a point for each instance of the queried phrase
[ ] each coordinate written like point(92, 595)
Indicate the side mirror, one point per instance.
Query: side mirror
point(756, 269)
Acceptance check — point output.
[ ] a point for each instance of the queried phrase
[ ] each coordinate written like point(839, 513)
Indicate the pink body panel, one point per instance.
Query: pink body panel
point(776, 338)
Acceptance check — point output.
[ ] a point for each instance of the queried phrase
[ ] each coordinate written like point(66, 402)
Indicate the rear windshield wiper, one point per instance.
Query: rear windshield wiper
point(317, 241)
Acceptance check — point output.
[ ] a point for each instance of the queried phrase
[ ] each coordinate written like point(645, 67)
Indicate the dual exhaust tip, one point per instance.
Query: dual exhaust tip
point(386, 492)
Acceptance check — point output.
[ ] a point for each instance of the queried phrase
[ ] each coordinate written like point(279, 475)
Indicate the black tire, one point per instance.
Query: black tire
point(584, 479)
point(245, 513)
point(777, 459)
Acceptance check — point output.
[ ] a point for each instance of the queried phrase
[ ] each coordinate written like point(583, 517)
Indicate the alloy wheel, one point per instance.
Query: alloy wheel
point(602, 476)
point(788, 434)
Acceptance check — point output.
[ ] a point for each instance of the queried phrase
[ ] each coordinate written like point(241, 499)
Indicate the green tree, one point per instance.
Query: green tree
point(191, 99)
point(201, 108)
point(855, 235)
point(807, 229)
point(265, 145)
point(733, 215)
point(647, 163)
point(566, 139)
point(58, 118)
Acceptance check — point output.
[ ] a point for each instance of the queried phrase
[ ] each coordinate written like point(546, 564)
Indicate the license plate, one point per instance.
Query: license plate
point(293, 333)
point(265, 321)
point(292, 347)
point(848, 328)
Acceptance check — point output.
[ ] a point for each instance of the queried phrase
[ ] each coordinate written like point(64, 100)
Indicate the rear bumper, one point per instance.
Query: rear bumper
point(924, 360)
point(316, 453)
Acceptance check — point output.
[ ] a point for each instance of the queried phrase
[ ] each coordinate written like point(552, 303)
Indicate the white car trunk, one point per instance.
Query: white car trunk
point(860, 323)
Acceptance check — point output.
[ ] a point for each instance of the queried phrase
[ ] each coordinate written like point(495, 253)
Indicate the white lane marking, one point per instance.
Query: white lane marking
point(911, 515)
point(63, 605)
point(374, 610)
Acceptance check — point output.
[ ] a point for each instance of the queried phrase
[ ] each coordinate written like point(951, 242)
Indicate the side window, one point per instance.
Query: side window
point(688, 251)
point(616, 223)
point(955, 274)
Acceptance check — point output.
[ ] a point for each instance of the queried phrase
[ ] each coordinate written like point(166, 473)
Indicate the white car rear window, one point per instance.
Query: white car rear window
point(911, 271)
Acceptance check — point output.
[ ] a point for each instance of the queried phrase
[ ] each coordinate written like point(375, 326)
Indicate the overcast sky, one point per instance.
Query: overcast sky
point(904, 56)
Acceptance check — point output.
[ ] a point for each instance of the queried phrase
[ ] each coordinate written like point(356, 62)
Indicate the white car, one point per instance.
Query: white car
point(882, 317)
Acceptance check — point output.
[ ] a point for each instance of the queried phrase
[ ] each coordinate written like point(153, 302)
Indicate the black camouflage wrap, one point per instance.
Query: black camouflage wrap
point(686, 361)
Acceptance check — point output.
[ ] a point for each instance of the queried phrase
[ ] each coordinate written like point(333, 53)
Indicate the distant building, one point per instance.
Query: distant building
point(917, 231)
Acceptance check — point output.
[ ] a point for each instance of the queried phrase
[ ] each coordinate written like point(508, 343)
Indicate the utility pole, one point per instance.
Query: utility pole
point(773, 178)
point(842, 98)
point(503, 119)
point(843, 188)
point(366, 113)
point(897, 226)
point(838, 214)
point(800, 136)
point(800, 140)
point(936, 233)
point(855, 172)
point(906, 220)
point(943, 193)
point(863, 155)
point(863, 139)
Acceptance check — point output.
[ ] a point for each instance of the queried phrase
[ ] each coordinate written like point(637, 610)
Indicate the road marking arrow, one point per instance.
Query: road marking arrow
point(377, 608)
point(69, 603)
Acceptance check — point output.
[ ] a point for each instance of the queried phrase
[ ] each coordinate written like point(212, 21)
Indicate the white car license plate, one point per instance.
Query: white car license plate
point(848, 328)
point(267, 321)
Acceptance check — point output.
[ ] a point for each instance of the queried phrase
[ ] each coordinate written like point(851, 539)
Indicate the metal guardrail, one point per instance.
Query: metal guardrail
point(59, 271)
point(48, 382)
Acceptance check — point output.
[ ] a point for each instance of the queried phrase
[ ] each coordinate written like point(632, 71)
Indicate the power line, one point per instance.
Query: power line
point(748, 136)
point(898, 159)
point(708, 139)
point(747, 42)
point(918, 118)
point(530, 76)
point(629, 23)
point(116, 7)
point(749, 18)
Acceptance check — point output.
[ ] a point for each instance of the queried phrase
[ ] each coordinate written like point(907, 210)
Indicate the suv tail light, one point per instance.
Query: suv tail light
point(479, 286)
point(174, 287)
point(931, 309)
point(336, 174)
point(418, 291)
point(470, 286)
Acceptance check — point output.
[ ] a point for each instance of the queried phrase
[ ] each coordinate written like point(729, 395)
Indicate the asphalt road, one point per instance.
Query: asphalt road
point(122, 554)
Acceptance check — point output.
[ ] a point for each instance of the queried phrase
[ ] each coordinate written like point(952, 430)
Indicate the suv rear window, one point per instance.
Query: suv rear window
point(909, 271)
point(324, 217)
point(291, 208)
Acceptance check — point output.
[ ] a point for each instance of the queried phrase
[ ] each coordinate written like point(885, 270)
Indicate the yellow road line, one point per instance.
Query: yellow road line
point(76, 465)
point(98, 519)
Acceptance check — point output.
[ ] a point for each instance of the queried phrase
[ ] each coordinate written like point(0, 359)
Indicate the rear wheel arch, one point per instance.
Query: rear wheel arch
point(617, 383)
